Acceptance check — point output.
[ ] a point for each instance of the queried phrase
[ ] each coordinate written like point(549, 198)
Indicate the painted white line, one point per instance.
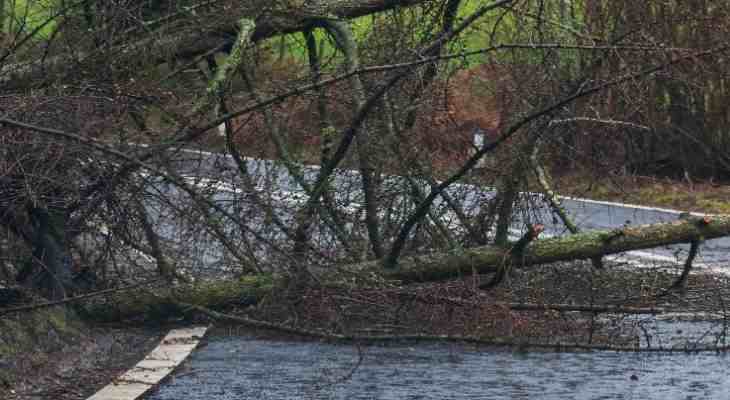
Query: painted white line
point(627, 205)
point(690, 316)
point(488, 188)
point(287, 197)
point(292, 197)
point(634, 253)
point(284, 196)
point(172, 350)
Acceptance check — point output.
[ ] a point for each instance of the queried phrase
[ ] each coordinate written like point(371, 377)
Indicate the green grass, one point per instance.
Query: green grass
point(494, 28)
point(27, 16)
point(679, 195)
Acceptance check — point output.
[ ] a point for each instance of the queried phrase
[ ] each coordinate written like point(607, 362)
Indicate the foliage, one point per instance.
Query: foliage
point(328, 152)
point(23, 17)
point(556, 22)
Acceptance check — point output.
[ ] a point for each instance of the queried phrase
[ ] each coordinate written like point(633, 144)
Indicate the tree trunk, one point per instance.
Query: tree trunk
point(49, 270)
point(249, 290)
point(345, 40)
point(588, 245)
point(164, 303)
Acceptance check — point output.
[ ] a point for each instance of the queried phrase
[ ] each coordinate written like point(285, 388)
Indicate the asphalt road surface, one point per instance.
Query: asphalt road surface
point(240, 367)
point(204, 168)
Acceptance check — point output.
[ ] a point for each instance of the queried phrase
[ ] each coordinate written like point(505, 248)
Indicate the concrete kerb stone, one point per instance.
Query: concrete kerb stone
point(160, 362)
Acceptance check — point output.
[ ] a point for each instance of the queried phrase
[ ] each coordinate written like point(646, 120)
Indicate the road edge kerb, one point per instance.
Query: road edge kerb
point(172, 350)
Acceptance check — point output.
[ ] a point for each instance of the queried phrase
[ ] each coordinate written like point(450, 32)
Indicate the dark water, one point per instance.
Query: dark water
point(248, 368)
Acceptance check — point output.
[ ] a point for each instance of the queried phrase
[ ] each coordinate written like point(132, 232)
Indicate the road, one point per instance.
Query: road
point(250, 367)
point(245, 367)
point(218, 172)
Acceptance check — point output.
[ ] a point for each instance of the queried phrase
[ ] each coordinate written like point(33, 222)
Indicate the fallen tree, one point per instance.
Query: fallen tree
point(423, 268)
point(587, 245)
point(163, 303)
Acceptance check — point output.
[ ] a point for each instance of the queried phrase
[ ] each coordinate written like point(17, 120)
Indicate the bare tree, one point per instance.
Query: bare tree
point(253, 137)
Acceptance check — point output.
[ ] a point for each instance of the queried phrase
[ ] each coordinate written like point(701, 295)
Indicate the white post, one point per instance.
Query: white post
point(478, 142)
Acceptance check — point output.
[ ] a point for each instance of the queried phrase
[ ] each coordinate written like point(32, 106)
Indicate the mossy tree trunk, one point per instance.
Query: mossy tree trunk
point(49, 268)
point(171, 302)
point(587, 245)
point(345, 40)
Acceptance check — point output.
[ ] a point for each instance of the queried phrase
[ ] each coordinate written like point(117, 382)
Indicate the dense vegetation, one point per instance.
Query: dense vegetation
point(345, 136)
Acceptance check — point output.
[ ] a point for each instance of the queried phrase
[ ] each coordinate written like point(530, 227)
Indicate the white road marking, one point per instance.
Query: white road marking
point(579, 199)
point(633, 206)
point(288, 196)
point(293, 197)
point(160, 362)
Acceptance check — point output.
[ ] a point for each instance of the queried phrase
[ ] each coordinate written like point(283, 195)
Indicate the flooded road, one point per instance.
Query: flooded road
point(240, 367)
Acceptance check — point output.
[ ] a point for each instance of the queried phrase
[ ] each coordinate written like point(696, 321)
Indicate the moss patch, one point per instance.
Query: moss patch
point(164, 303)
point(36, 331)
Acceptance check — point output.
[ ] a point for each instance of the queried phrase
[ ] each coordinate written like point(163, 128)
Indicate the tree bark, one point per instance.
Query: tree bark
point(164, 303)
point(249, 290)
point(588, 245)
point(49, 269)
point(553, 199)
point(345, 40)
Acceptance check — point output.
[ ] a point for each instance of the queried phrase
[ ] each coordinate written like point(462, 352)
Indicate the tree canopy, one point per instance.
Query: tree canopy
point(145, 138)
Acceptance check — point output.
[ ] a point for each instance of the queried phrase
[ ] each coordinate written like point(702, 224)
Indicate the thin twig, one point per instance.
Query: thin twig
point(444, 338)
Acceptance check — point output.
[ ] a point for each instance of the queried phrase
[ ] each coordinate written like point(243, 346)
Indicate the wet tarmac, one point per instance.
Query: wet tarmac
point(236, 367)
